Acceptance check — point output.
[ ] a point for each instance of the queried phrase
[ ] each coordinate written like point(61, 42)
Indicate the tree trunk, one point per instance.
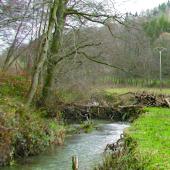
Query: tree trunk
point(43, 52)
point(48, 84)
point(55, 47)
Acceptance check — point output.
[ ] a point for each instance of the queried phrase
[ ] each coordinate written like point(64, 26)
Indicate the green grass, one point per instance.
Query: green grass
point(120, 91)
point(152, 134)
point(147, 144)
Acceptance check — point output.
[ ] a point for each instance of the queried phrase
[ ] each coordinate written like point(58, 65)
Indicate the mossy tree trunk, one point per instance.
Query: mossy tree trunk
point(52, 45)
point(54, 50)
point(41, 58)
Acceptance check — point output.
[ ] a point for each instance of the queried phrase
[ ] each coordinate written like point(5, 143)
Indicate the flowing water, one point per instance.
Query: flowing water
point(88, 147)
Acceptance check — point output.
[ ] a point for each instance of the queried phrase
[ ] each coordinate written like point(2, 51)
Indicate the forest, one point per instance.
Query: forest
point(71, 69)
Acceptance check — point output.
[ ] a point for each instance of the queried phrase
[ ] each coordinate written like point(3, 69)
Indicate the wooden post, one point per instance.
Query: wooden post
point(74, 162)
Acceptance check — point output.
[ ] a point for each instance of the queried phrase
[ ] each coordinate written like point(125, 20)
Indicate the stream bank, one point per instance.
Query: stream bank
point(146, 144)
point(28, 132)
point(88, 147)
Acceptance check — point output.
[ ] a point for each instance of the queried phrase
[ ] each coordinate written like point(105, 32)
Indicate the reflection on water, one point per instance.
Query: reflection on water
point(88, 147)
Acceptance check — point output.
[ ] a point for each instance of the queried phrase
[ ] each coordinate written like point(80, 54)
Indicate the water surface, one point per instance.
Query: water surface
point(88, 147)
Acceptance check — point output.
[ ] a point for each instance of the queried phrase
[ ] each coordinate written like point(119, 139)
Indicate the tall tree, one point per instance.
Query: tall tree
point(41, 58)
point(73, 12)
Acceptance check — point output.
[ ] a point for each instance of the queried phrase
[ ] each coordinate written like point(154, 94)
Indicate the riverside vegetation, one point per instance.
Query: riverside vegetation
point(147, 143)
point(64, 49)
point(23, 131)
point(27, 131)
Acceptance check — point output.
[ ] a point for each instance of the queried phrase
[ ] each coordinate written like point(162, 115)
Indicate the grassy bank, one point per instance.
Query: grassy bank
point(23, 131)
point(152, 134)
point(26, 131)
point(148, 143)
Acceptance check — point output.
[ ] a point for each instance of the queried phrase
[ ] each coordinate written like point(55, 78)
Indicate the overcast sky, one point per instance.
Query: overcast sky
point(133, 6)
point(137, 5)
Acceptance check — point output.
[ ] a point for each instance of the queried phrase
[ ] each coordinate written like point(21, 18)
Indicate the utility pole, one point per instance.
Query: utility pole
point(160, 69)
point(160, 49)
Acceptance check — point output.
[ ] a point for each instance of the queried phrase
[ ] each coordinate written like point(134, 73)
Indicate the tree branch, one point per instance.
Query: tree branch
point(110, 65)
point(76, 51)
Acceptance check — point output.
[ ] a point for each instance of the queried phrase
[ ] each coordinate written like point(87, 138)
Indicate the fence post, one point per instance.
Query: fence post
point(74, 162)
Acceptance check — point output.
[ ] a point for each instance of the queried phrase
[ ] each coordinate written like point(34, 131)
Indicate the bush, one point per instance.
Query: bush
point(29, 133)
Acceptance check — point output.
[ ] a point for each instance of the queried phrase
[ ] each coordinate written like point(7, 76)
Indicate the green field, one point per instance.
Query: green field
point(147, 144)
point(152, 134)
point(116, 90)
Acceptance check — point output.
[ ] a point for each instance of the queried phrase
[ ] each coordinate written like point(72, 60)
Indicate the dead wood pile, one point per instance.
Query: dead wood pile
point(152, 100)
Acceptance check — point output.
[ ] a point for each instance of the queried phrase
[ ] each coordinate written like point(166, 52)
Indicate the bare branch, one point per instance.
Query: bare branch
point(104, 63)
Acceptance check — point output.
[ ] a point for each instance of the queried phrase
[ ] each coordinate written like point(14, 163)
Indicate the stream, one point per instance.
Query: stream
point(88, 147)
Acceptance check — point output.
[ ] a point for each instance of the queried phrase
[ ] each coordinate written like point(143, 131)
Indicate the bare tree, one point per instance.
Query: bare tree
point(66, 12)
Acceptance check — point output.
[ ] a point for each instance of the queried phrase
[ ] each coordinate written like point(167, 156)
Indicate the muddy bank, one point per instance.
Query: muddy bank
point(125, 107)
point(85, 112)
